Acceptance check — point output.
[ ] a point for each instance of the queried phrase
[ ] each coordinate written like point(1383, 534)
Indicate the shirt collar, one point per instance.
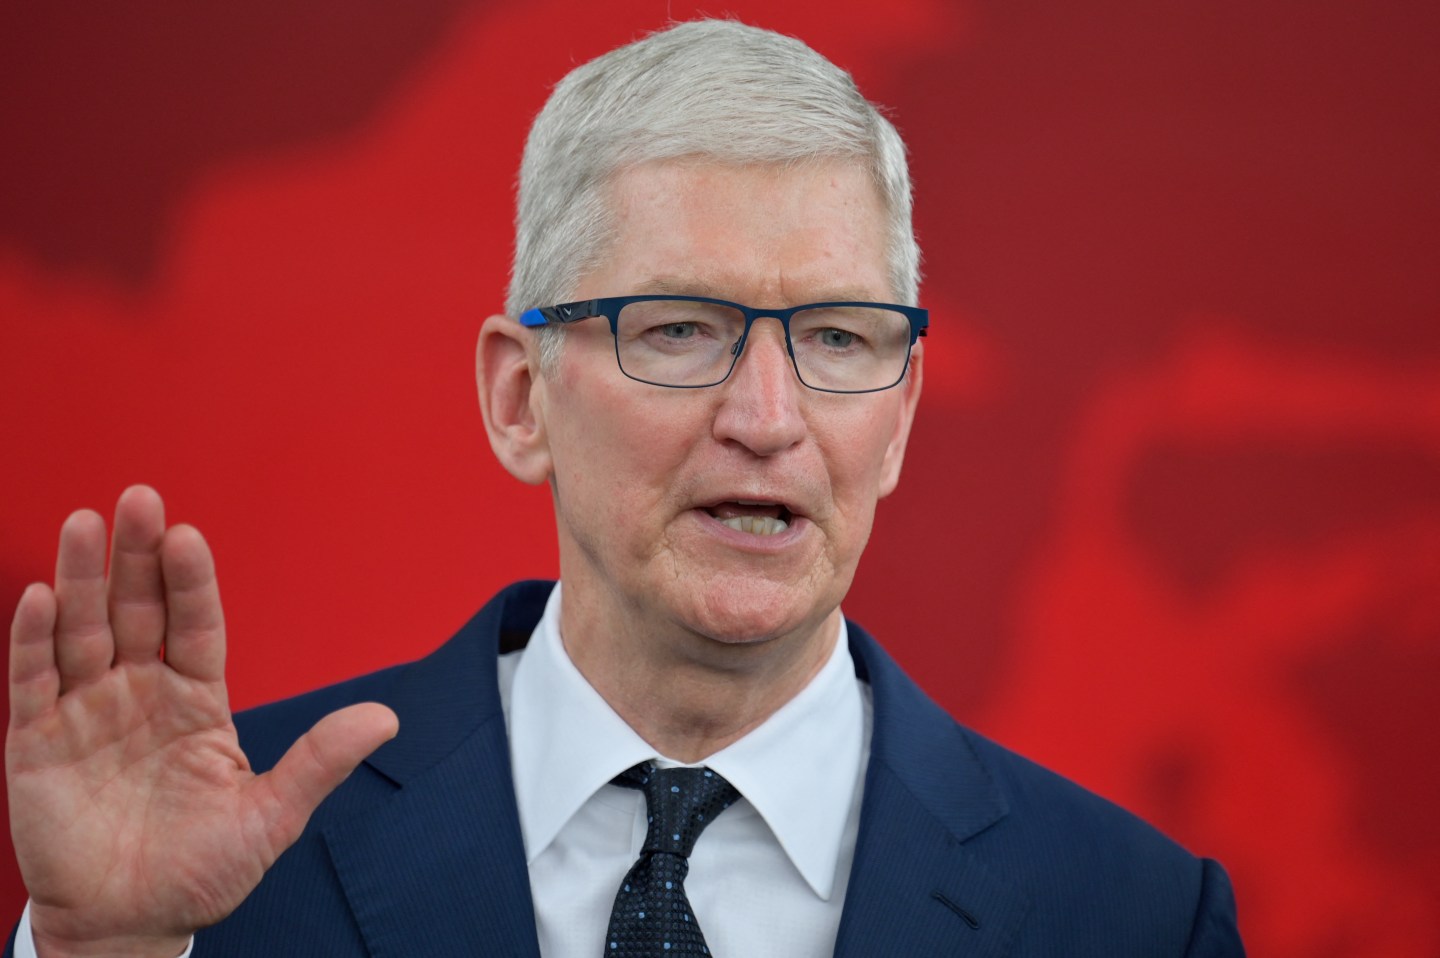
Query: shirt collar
point(799, 768)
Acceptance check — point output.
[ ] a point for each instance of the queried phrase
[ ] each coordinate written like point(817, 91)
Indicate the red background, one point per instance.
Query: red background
point(1171, 519)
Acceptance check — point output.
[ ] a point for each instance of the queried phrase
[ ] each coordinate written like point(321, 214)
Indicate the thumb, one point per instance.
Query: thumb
point(318, 762)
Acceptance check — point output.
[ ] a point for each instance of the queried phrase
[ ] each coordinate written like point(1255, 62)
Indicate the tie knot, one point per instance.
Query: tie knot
point(680, 802)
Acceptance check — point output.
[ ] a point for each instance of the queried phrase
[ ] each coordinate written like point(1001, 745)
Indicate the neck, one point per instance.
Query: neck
point(687, 695)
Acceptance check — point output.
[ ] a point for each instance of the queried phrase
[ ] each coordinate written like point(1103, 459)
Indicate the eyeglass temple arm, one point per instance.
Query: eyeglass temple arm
point(563, 313)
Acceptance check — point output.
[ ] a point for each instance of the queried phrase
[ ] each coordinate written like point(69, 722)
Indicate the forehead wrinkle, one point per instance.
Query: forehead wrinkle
point(674, 286)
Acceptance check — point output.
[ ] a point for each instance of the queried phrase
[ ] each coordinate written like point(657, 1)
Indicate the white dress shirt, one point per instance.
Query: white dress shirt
point(767, 877)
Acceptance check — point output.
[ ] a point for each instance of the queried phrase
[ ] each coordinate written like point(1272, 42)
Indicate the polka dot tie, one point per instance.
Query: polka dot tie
point(652, 916)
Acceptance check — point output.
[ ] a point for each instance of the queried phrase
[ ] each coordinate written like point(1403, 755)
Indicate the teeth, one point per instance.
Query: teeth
point(756, 525)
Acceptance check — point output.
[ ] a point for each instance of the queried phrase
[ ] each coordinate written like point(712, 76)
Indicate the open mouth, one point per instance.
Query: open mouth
point(756, 518)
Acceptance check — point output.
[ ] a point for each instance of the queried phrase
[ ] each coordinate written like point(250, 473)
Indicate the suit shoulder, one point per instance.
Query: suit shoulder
point(1086, 862)
point(1061, 825)
point(1035, 789)
point(979, 787)
point(266, 731)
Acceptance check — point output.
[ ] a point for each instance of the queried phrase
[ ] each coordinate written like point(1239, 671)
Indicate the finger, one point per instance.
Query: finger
point(317, 763)
point(195, 623)
point(84, 647)
point(137, 590)
point(34, 680)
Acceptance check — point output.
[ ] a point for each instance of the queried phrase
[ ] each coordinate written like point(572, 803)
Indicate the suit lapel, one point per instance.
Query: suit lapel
point(915, 888)
point(437, 866)
point(438, 870)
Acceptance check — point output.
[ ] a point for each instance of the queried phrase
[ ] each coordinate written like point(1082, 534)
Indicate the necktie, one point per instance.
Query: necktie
point(652, 916)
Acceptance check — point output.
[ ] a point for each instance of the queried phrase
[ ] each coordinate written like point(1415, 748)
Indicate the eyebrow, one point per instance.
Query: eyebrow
point(664, 285)
point(672, 286)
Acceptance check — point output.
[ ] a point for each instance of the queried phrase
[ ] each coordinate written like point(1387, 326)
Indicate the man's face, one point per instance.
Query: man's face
point(645, 475)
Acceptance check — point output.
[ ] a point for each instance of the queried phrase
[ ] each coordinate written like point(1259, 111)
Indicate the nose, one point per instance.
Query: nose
point(760, 404)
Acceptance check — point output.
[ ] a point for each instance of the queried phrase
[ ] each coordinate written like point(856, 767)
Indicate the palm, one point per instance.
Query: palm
point(134, 812)
point(118, 784)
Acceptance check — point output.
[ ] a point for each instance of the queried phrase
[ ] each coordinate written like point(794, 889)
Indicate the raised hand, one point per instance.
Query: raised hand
point(135, 815)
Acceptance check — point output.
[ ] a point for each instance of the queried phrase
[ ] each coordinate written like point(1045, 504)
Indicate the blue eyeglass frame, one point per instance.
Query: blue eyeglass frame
point(610, 306)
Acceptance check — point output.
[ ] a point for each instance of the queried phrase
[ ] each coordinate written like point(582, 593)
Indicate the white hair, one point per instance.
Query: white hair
point(709, 89)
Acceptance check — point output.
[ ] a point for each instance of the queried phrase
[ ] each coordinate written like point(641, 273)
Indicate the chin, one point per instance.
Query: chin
point(748, 612)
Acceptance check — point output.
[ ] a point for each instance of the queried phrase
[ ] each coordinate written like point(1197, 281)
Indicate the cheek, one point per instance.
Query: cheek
point(856, 490)
point(855, 455)
point(625, 460)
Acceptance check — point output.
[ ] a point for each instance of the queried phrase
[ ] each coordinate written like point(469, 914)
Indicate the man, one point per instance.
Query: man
point(711, 354)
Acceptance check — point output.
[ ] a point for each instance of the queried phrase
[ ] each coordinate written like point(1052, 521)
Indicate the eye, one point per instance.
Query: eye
point(837, 338)
point(678, 330)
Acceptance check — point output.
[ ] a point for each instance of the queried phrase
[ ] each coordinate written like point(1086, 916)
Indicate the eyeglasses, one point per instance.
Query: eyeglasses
point(689, 342)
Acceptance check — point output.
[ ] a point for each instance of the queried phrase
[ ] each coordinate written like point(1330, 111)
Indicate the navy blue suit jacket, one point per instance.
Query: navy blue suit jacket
point(964, 848)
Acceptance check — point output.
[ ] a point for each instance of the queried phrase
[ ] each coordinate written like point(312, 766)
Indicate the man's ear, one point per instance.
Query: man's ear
point(512, 398)
point(905, 418)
